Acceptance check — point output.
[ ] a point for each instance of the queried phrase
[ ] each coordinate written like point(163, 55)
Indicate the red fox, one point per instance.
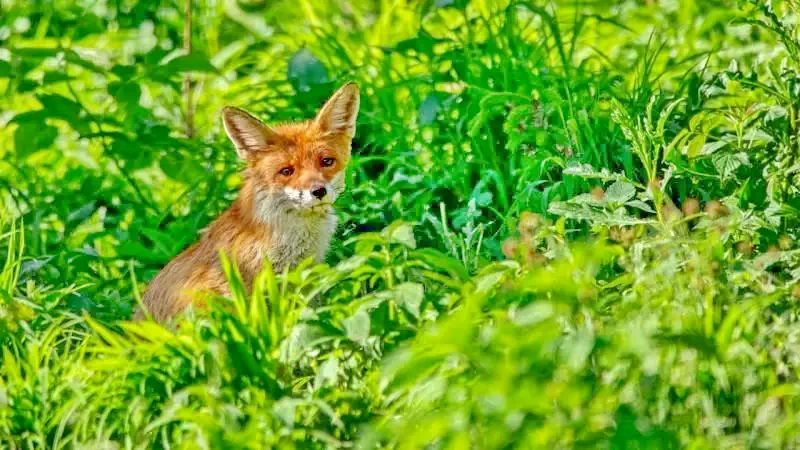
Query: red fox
point(284, 211)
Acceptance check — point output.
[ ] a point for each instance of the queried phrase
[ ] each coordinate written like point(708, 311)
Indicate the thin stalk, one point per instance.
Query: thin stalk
point(187, 79)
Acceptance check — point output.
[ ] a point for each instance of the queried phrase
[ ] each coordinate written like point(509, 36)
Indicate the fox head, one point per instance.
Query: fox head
point(296, 168)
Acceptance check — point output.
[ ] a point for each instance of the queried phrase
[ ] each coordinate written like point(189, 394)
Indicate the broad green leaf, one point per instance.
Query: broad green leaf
point(194, 62)
point(181, 169)
point(5, 69)
point(401, 233)
point(327, 373)
point(31, 137)
point(357, 327)
point(306, 71)
point(127, 94)
point(757, 137)
point(429, 109)
point(409, 296)
point(727, 163)
point(712, 147)
point(620, 192)
point(696, 146)
point(59, 106)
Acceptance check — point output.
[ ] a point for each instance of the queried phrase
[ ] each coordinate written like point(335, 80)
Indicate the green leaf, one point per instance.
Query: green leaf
point(5, 69)
point(410, 296)
point(59, 106)
point(300, 340)
point(588, 172)
point(55, 77)
point(640, 205)
point(401, 233)
point(429, 109)
point(327, 374)
point(712, 147)
point(357, 327)
point(458, 4)
point(586, 212)
point(135, 156)
point(306, 71)
point(757, 137)
point(727, 163)
point(36, 52)
point(124, 72)
point(31, 137)
point(68, 110)
point(181, 169)
point(620, 192)
point(695, 146)
point(127, 94)
point(194, 62)
point(439, 260)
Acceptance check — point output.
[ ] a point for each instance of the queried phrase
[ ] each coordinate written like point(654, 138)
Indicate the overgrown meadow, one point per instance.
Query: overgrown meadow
point(568, 224)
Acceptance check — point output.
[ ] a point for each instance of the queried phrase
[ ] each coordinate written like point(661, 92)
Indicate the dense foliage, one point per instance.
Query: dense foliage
point(568, 225)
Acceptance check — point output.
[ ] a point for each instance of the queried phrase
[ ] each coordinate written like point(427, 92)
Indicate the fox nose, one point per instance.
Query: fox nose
point(319, 192)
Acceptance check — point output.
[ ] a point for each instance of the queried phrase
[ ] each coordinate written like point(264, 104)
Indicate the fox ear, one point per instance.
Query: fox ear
point(338, 115)
point(247, 133)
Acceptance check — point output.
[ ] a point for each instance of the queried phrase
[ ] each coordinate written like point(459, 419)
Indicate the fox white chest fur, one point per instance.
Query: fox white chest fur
point(284, 212)
point(297, 238)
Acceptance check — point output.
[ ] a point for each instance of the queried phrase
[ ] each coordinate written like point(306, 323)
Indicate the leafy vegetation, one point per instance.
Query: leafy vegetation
point(568, 225)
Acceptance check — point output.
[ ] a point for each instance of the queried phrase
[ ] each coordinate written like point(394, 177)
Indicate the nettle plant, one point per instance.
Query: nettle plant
point(729, 145)
point(616, 204)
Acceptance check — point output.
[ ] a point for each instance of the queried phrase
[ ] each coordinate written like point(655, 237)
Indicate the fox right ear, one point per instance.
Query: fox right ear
point(247, 133)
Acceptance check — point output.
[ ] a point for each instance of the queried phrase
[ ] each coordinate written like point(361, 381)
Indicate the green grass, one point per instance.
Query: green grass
point(567, 225)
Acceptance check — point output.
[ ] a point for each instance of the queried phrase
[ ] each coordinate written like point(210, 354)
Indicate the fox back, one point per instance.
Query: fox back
point(284, 212)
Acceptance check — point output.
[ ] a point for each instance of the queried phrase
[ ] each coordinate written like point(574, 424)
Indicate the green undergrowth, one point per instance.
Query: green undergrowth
point(567, 225)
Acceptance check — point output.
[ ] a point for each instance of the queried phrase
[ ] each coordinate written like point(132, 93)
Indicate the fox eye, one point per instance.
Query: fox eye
point(327, 162)
point(286, 171)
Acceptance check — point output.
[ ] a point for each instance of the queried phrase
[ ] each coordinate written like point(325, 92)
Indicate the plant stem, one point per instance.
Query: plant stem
point(187, 79)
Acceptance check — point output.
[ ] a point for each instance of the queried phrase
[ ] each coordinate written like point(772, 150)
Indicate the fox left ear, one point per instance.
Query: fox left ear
point(247, 133)
point(338, 115)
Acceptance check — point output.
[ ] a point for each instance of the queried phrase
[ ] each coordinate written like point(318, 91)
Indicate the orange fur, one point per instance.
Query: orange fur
point(281, 216)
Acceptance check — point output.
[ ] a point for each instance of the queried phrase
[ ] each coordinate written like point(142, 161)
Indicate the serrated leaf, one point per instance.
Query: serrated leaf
point(775, 112)
point(727, 163)
point(712, 147)
point(588, 172)
point(620, 192)
point(640, 205)
point(756, 136)
point(586, 212)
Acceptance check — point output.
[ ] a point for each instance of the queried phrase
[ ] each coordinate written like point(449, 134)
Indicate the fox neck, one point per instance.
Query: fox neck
point(290, 235)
